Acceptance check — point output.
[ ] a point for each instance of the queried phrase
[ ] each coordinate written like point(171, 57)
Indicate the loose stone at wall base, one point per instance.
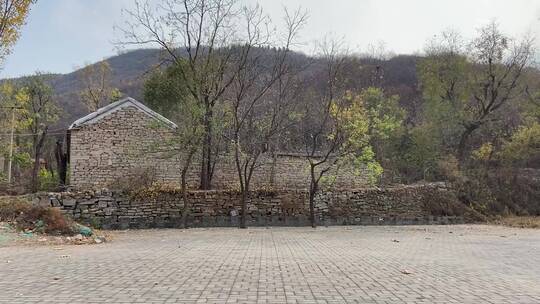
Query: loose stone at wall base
point(393, 206)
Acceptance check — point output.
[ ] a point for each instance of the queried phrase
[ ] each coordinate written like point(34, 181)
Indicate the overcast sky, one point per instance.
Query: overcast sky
point(62, 35)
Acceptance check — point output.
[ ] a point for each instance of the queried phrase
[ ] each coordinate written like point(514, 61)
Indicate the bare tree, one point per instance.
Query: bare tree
point(318, 123)
point(97, 89)
point(261, 94)
point(476, 80)
point(499, 66)
point(203, 33)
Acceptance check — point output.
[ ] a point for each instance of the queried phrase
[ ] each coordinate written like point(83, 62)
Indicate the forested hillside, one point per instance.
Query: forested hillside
point(129, 70)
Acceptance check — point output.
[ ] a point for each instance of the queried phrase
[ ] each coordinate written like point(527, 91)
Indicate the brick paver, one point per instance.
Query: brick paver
point(413, 264)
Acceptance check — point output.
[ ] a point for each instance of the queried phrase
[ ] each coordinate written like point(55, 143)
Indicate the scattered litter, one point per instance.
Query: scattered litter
point(99, 239)
point(406, 272)
point(395, 241)
point(83, 230)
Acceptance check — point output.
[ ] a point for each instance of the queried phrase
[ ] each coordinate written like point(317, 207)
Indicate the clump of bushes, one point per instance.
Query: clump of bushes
point(27, 217)
point(48, 180)
point(500, 192)
point(448, 203)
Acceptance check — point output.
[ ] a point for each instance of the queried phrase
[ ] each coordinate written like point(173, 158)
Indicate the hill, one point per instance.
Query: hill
point(396, 75)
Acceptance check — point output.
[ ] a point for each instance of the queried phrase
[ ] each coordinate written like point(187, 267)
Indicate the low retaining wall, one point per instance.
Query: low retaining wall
point(392, 206)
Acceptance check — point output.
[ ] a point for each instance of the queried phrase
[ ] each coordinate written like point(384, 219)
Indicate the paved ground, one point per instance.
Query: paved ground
point(422, 264)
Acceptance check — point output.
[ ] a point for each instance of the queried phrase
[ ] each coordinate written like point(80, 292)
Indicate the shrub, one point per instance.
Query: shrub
point(48, 181)
point(26, 216)
point(502, 191)
point(10, 210)
point(446, 204)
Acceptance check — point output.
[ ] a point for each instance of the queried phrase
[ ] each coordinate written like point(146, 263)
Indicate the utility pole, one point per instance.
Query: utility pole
point(10, 160)
point(11, 139)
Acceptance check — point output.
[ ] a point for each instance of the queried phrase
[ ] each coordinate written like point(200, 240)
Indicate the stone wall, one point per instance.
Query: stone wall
point(129, 144)
point(109, 210)
point(123, 144)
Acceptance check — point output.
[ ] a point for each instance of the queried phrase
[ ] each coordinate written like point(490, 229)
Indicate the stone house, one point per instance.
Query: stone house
point(126, 139)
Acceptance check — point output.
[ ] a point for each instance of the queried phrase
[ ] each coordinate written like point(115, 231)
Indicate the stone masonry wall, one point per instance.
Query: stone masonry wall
point(129, 144)
point(108, 210)
point(121, 145)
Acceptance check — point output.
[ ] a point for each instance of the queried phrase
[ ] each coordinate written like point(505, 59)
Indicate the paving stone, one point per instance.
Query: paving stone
point(358, 264)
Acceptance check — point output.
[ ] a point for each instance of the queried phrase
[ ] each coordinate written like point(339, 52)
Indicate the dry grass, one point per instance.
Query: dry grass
point(27, 217)
point(519, 221)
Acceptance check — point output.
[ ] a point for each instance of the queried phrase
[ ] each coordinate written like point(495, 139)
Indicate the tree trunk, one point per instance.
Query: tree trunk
point(39, 141)
point(464, 139)
point(313, 187)
point(206, 162)
point(61, 163)
point(185, 211)
point(187, 206)
point(243, 201)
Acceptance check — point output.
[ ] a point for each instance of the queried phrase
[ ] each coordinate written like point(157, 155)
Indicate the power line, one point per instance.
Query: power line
point(54, 132)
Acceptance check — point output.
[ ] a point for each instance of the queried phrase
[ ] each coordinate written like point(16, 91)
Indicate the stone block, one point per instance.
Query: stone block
point(69, 203)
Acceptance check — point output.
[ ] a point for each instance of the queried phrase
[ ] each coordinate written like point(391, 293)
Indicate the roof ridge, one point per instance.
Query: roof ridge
point(103, 111)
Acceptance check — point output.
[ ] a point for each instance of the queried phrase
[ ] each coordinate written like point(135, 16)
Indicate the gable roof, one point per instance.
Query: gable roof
point(115, 106)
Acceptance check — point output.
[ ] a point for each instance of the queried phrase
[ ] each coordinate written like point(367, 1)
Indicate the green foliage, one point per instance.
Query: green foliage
point(361, 119)
point(384, 113)
point(523, 145)
point(22, 159)
point(36, 105)
point(166, 91)
point(14, 13)
point(483, 153)
point(47, 180)
point(445, 80)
